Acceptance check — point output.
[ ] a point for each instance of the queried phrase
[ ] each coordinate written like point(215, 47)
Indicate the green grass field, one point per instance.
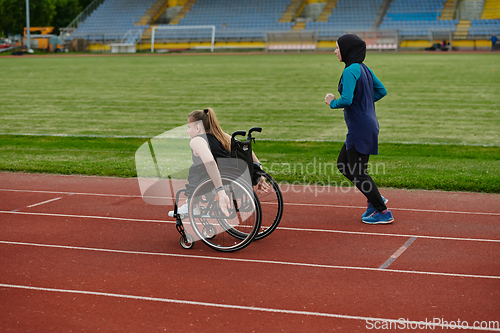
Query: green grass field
point(446, 105)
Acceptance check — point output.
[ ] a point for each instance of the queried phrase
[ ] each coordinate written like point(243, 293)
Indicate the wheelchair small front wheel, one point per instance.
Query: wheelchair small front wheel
point(209, 231)
point(189, 241)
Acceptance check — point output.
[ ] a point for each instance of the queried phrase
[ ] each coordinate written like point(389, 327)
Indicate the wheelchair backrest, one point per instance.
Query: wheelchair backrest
point(242, 152)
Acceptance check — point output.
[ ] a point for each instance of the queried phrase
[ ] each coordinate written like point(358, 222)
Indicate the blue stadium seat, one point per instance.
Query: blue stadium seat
point(251, 19)
point(416, 17)
point(484, 27)
point(242, 19)
point(112, 19)
point(348, 15)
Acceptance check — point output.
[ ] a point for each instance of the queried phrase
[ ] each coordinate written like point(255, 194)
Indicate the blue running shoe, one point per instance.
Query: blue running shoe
point(370, 210)
point(379, 218)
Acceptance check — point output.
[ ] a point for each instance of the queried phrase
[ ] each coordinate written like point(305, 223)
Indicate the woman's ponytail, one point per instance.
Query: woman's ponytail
point(207, 116)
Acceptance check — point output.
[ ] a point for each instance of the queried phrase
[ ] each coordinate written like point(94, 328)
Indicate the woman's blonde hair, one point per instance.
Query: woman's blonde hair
point(211, 125)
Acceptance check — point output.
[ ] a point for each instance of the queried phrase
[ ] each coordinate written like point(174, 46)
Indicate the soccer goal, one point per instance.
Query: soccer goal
point(187, 32)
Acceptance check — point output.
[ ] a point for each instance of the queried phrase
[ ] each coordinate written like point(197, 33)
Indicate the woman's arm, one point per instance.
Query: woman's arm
point(349, 78)
point(254, 158)
point(379, 90)
point(262, 186)
point(200, 148)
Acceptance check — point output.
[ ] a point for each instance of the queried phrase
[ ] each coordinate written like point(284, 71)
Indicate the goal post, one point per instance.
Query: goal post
point(184, 27)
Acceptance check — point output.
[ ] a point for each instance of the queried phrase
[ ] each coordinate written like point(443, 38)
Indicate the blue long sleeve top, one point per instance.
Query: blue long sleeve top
point(360, 89)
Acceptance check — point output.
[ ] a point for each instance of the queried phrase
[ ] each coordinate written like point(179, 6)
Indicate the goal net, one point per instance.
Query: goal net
point(179, 34)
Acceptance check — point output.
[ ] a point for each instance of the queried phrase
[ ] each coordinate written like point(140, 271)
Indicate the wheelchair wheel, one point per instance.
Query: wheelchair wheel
point(271, 204)
point(209, 231)
point(211, 226)
point(190, 242)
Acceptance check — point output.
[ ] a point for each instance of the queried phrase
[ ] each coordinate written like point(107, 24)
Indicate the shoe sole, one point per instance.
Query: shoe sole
point(379, 222)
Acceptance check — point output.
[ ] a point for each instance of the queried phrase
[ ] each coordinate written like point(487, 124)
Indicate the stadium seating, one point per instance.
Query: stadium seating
point(416, 18)
point(251, 20)
point(242, 19)
point(112, 19)
point(484, 27)
point(348, 15)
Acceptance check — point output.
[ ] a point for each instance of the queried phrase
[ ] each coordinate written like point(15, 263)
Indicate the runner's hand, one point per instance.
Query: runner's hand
point(329, 98)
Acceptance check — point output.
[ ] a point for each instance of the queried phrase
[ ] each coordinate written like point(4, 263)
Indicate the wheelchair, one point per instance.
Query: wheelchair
point(253, 214)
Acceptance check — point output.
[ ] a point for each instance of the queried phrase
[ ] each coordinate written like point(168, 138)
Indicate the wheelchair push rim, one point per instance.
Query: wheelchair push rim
point(217, 231)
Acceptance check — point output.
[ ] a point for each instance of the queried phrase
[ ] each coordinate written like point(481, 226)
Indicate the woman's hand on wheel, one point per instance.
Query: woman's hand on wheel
point(224, 202)
point(262, 186)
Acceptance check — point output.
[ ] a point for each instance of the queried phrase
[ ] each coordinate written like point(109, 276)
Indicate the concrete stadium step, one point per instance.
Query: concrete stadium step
point(299, 26)
point(462, 30)
point(327, 10)
point(293, 10)
point(491, 10)
point(182, 13)
point(447, 12)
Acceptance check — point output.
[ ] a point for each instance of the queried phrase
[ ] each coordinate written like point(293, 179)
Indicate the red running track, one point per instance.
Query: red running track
point(86, 254)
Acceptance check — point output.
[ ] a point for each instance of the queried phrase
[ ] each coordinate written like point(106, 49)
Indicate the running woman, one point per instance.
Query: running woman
point(359, 89)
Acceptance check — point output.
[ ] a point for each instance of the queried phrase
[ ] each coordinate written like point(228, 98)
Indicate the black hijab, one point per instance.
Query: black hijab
point(352, 49)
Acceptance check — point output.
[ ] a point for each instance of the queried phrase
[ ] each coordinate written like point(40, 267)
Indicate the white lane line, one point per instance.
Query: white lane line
point(368, 320)
point(396, 208)
point(81, 135)
point(260, 139)
point(396, 254)
point(272, 262)
point(279, 228)
point(393, 235)
point(86, 217)
point(85, 193)
point(43, 202)
point(286, 203)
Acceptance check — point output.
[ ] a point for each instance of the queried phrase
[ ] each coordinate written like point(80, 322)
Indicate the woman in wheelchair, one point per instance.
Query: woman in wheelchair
point(209, 143)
